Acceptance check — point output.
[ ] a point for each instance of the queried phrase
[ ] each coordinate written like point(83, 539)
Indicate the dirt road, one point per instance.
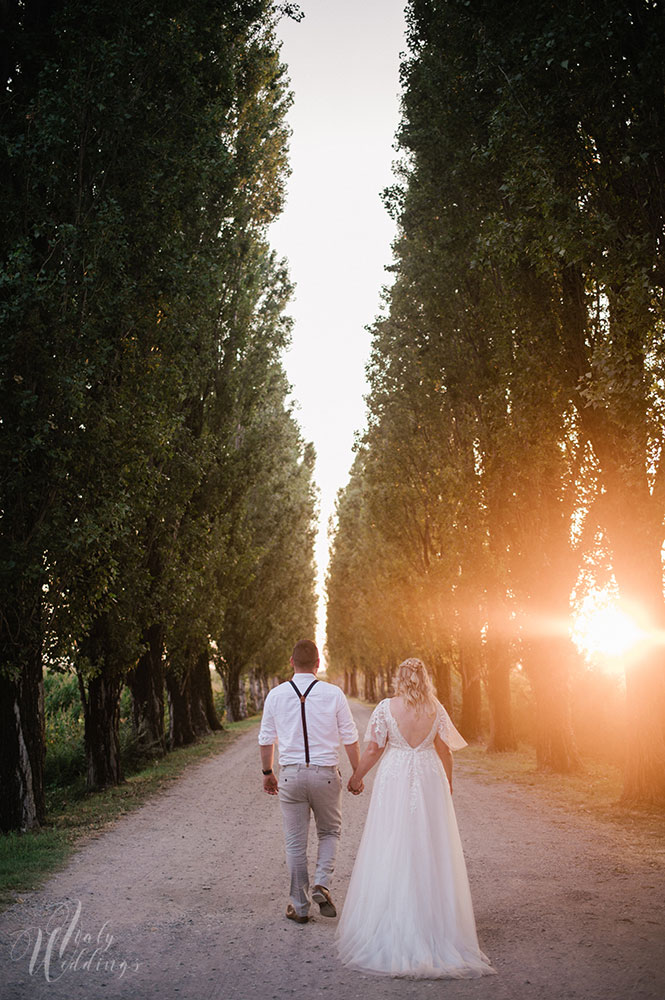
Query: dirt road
point(185, 898)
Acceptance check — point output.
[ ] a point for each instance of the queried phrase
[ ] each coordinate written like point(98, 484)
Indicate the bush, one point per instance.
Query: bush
point(65, 747)
point(61, 692)
point(65, 730)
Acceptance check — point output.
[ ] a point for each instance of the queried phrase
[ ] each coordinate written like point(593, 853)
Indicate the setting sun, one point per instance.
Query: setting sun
point(602, 628)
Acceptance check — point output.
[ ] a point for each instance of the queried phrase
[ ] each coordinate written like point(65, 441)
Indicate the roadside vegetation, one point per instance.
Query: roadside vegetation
point(74, 813)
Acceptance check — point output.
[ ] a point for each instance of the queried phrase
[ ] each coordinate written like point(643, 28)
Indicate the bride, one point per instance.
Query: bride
point(408, 910)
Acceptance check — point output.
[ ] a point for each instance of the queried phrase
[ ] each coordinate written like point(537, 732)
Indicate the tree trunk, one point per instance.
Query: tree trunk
point(196, 686)
point(442, 680)
point(101, 707)
point(256, 690)
point(232, 694)
point(100, 696)
point(146, 682)
point(22, 746)
point(471, 618)
point(502, 735)
point(499, 662)
point(470, 721)
point(644, 778)
point(370, 687)
point(353, 683)
point(242, 697)
point(204, 713)
point(267, 685)
point(181, 731)
point(548, 661)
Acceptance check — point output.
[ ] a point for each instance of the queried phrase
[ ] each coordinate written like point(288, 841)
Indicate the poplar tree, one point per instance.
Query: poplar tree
point(528, 300)
point(145, 151)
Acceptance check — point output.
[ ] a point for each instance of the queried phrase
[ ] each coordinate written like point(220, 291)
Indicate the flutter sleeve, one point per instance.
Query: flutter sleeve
point(377, 727)
point(447, 731)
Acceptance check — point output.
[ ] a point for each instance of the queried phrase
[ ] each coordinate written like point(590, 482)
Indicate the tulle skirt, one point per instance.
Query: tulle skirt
point(408, 910)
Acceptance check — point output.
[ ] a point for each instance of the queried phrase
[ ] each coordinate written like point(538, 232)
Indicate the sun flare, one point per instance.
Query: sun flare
point(603, 629)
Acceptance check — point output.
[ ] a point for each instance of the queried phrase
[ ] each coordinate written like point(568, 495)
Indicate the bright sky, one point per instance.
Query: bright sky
point(343, 61)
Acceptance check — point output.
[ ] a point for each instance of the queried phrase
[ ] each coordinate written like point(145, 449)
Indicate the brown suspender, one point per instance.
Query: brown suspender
point(302, 714)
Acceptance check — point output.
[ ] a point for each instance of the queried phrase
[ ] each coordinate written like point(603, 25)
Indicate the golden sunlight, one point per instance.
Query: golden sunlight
point(604, 630)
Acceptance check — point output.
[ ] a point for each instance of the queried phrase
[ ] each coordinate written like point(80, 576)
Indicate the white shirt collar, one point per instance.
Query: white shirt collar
point(305, 676)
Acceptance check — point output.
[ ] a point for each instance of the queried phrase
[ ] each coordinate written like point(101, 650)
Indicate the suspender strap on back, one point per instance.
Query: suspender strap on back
point(302, 714)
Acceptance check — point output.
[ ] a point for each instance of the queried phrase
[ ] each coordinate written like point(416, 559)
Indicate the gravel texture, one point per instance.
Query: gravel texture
point(185, 898)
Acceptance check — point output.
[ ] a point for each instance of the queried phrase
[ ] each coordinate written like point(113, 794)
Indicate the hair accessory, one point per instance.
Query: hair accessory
point(413, 662)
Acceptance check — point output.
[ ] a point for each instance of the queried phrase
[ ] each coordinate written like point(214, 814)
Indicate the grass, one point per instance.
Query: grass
point(74, 815)
point(595, 790)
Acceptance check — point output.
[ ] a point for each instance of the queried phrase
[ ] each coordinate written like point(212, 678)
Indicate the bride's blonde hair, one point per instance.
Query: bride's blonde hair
point(415, 686)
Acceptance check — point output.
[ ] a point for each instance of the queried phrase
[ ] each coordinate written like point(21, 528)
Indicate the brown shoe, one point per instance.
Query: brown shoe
point(292, 915)
point(321, 896)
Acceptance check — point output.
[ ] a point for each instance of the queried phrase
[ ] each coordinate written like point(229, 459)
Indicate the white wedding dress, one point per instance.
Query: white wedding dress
point(408, 910)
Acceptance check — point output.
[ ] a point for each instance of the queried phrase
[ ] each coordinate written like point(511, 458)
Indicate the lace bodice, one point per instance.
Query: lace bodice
point(401, 759)
point(383, 728)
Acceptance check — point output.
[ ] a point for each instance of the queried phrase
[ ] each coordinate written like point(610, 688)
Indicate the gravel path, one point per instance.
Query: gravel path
point(185, 898)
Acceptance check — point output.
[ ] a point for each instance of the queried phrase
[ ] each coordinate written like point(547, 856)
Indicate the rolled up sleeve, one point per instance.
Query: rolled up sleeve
point(346, 727)
point(268, 730)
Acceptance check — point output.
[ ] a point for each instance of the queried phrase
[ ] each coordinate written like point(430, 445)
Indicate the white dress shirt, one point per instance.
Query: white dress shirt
point(329, 722)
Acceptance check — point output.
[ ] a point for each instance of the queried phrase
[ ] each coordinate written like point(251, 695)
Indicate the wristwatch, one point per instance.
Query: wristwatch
point(269, 771)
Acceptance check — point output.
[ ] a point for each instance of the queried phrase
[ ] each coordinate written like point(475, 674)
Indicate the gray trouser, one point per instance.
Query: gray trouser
point(302, 788)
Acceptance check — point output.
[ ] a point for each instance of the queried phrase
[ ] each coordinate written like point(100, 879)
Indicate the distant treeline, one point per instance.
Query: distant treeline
point(157, 506)
point(514, 451)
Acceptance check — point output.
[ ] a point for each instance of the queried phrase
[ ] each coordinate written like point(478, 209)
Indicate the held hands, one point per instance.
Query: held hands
point(355, 785)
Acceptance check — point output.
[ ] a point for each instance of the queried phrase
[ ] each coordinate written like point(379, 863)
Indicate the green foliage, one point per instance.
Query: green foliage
point(61, 693)
point(268, 580)
point(64, 729)
point(142, 309)
point(516, 404)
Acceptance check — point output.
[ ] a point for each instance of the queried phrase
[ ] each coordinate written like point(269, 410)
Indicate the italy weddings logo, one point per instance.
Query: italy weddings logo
point(63, 945)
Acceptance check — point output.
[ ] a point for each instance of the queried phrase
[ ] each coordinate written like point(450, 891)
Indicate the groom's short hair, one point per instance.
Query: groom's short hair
point(305, 653)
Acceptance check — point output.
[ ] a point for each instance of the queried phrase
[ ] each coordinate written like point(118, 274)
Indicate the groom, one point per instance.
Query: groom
point(309, 718)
